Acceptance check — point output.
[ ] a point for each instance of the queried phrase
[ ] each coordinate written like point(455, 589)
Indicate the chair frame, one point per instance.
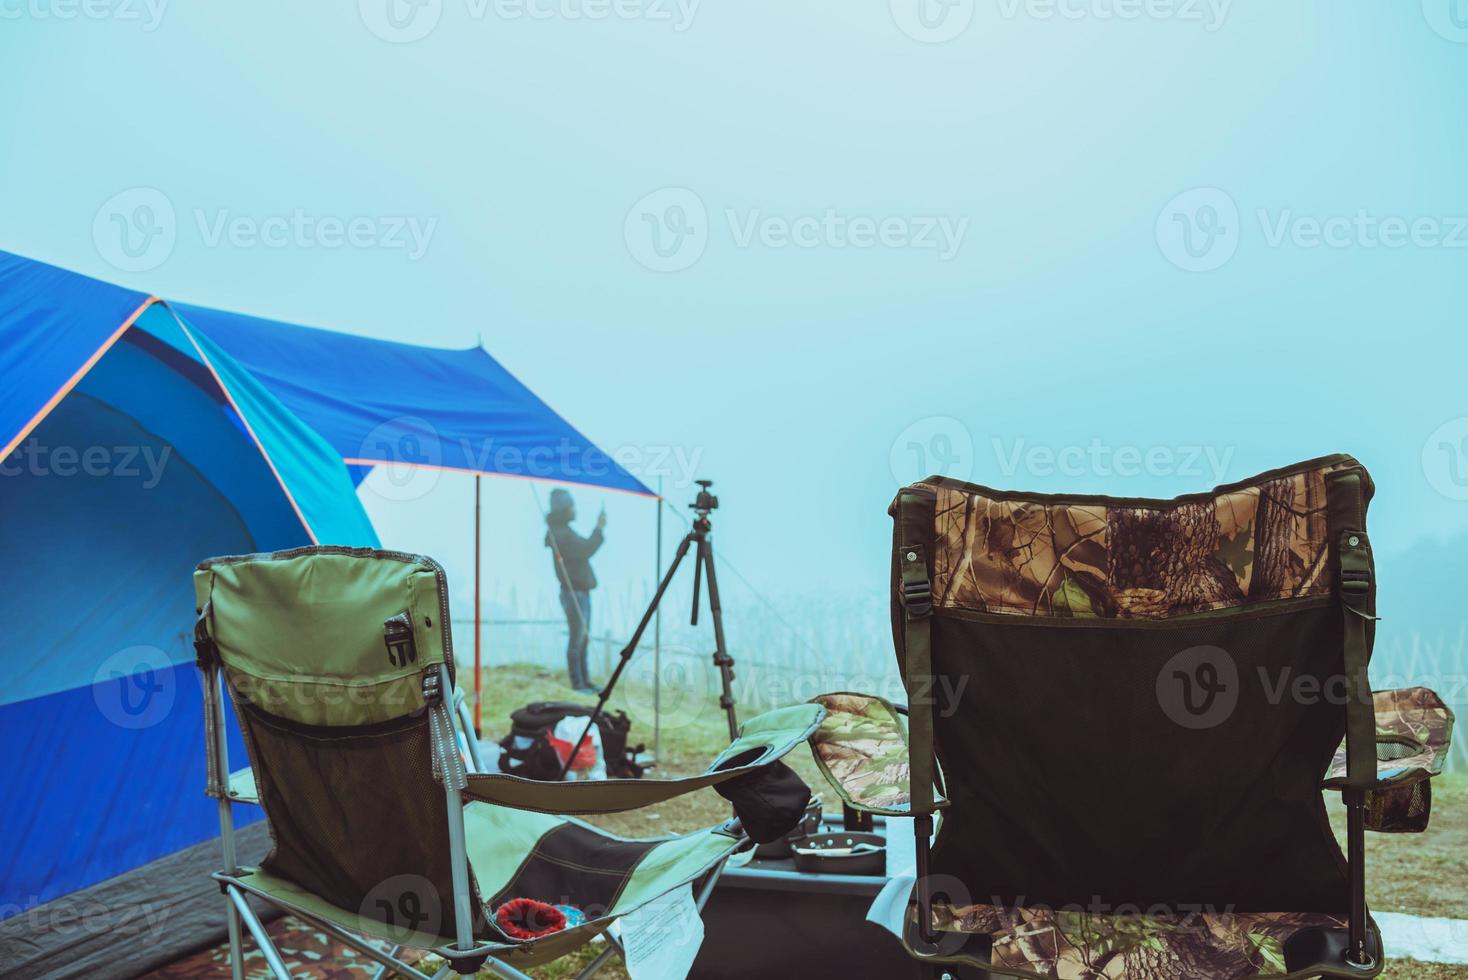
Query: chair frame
point(1353, 584)
point(465, 957)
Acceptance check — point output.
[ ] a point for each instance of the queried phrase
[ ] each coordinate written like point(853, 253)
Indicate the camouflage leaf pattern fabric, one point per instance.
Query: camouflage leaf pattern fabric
point(1414, 731)
point(1127, 560)
point(1075, 945)
point(1414, 718)
point(862, 751)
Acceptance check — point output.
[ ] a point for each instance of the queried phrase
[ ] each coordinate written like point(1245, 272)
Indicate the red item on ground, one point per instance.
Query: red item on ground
point(525, 918)
point(585, 756)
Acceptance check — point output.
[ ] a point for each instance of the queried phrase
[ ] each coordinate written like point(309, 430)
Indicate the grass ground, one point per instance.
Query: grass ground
point(1419, 874)
point(686, 749)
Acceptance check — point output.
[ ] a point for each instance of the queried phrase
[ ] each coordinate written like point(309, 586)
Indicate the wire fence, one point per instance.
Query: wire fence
point(789, 651)
point(776, 665)
point(1437, 661)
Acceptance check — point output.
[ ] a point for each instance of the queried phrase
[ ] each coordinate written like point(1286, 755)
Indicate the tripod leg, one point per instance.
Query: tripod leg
point(628, 651)
point(721, 652)
point(697, 574)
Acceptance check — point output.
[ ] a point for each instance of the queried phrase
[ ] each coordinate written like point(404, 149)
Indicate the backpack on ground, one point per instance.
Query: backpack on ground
point(531, 749)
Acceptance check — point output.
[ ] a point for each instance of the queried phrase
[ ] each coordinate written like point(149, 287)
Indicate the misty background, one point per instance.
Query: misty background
point(813, 252)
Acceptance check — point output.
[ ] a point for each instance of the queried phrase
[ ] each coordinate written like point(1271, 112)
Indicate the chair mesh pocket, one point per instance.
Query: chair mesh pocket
point(357, 816)
point(1399, 809)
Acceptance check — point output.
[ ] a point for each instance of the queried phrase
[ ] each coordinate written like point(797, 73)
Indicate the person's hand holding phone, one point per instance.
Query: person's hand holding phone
point(601, 519)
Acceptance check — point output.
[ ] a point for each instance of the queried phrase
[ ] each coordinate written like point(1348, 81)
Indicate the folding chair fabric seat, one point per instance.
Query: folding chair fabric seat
point(517, 855)
point(339, 664)
point(1124, 711)
point(1076, 945)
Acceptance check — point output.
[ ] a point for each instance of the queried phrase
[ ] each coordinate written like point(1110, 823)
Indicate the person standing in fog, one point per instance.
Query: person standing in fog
point(571, 554)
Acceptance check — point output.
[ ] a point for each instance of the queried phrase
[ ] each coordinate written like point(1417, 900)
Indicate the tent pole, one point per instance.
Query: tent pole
point(657, 642)
point(478, 628)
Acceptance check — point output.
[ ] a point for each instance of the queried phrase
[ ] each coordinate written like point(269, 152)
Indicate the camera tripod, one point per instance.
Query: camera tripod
point(703, 566)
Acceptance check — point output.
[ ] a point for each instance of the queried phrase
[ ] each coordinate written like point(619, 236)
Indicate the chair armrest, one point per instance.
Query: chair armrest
point(861, 748)
point(1414, 731)
point(762, 740)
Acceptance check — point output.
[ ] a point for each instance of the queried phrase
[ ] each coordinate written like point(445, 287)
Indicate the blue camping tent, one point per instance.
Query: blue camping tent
point(131, 447)
point(136, 437)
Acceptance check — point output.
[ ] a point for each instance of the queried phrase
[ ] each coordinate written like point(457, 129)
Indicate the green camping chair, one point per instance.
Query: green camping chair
point(339, 665)
point(1136, 705)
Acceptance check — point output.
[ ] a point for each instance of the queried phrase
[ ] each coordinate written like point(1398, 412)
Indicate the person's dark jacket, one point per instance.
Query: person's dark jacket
point(573, 567)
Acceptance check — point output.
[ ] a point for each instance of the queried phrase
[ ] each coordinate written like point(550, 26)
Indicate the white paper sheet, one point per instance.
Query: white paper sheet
point(661, 939)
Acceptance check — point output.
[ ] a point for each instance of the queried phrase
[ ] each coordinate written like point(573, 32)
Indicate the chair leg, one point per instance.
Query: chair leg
point(385, 970)
point(595, 965)
point(390, 965)
point(236, 951)
point(257, 929)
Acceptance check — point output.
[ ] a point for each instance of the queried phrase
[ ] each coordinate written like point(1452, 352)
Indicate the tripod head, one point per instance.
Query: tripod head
point(704, 502)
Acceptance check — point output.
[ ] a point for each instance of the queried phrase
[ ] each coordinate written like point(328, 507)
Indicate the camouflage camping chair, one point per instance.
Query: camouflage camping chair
point(1136, 704)
point(338, 663)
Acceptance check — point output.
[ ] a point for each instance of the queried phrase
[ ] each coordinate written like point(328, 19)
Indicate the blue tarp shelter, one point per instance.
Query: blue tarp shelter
point(377, 401)
point(131, 447)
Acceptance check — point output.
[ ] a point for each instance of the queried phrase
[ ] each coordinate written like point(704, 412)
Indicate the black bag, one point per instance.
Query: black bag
point(536, 758)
